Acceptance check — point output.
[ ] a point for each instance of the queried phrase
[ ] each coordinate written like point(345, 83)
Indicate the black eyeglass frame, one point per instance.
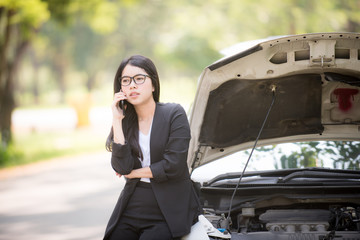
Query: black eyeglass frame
point(133, 79)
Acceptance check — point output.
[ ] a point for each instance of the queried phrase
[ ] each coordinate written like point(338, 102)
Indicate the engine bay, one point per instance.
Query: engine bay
point(328, 222)
point(284, 204)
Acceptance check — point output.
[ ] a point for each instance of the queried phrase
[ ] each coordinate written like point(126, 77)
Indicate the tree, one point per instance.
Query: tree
point(78, 40)
point(19, 23)
point(182, 37)
point(307, 156)
point(343, 154)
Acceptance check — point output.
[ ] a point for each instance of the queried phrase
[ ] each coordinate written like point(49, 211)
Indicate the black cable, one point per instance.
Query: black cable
point(247, 162)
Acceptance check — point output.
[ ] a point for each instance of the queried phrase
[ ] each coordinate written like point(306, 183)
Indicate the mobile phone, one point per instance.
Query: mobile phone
point(122, 106)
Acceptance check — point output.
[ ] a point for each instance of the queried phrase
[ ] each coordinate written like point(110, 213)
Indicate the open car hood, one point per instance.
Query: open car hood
point(315, 79)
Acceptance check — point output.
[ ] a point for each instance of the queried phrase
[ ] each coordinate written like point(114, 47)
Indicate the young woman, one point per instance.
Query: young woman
point(149, 143)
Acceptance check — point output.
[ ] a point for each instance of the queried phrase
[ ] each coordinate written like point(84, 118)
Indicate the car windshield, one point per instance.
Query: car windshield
point(326, 154)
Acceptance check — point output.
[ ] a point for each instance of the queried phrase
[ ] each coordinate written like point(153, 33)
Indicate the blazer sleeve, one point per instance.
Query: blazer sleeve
point(173, 162)
point(121, 158)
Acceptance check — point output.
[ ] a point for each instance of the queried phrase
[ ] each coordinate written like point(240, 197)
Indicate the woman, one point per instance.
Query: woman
point(149, 143)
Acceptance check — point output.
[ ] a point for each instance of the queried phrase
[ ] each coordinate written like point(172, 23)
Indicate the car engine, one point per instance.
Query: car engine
point(337, 222)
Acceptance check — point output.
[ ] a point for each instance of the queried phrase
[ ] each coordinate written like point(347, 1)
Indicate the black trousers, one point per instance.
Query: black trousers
point(142, 219)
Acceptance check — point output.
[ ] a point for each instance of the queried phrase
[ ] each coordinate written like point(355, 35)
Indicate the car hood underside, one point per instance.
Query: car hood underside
point(236, 110)
point(307, 100)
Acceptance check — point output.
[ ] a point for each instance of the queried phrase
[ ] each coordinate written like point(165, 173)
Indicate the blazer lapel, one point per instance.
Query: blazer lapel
point(157, 135)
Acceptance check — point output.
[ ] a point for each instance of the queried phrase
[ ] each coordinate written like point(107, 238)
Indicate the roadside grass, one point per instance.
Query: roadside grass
point(39, 146)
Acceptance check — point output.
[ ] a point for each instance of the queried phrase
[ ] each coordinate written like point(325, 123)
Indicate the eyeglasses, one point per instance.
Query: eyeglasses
point(138, 79)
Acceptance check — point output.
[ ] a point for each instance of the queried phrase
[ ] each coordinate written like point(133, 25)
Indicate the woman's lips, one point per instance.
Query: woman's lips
point(134, 94)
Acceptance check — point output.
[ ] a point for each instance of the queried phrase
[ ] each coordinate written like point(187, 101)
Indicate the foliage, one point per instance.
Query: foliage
point(79, 44)
point(9, 156)
point(182, 37)
point(19, 21)
point(308, 156)
point(28, 15)
point(344, 154)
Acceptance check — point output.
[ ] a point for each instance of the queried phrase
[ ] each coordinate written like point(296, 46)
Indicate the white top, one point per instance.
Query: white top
point(144, 142)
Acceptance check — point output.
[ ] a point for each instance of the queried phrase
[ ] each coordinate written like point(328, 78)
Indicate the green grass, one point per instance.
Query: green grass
point(39, 146)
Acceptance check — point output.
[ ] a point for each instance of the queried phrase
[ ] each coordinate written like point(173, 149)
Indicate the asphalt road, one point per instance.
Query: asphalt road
point(62, 199)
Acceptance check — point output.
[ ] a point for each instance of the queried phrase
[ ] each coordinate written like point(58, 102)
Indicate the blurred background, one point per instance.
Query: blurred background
point(58, 59)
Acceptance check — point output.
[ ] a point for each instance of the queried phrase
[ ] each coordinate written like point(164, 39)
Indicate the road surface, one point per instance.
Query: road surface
point(62, 199)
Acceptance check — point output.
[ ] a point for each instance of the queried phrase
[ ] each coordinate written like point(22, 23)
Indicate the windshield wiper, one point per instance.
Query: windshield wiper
point(227, 176)
point(284, 175)
point(318, 174)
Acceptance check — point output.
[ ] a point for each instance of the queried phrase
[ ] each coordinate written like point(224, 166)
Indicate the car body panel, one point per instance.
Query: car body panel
point(287, 89)
point(235, 92)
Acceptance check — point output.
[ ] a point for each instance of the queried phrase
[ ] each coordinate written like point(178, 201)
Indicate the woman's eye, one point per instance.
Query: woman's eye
point(139, 79)
point(125, 81)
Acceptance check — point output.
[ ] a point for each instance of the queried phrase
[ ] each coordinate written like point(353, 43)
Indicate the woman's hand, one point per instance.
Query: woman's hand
point(144, 172)
point(118, 116)
point(116, 110)
point(118, 174)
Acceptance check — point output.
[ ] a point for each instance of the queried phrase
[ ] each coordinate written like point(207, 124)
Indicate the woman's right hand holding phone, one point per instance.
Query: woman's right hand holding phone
point(118, 116)
point(117, 112)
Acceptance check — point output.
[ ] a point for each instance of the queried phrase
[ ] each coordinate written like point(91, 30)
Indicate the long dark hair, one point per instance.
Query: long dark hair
point(130, 122)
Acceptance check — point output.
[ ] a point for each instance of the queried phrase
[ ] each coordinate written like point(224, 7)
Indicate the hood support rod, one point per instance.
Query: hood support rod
point(228, 219)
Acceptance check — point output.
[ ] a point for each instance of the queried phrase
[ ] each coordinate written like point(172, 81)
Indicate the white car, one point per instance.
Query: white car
point(275, 148)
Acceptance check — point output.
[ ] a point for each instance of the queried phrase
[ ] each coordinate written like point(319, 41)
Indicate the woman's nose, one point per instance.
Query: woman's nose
point(133, 84)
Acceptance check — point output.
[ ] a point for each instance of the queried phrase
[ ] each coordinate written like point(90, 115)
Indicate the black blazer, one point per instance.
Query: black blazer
point(173, 189)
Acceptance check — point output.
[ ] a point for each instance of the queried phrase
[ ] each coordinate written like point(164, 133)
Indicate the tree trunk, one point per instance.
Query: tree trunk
point(353, 26)
point(36, 67)
point(60, 66)
point(7, 100)
point(7, 105)
point(90, 82)
point(5, 84)
point(9, 63)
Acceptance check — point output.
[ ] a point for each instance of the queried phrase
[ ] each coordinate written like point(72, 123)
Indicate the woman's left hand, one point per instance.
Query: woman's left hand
point(130, 175)
point(118, 174)
point(144, 172)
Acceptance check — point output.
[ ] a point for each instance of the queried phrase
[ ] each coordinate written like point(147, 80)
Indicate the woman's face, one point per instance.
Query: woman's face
point(137, 94)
